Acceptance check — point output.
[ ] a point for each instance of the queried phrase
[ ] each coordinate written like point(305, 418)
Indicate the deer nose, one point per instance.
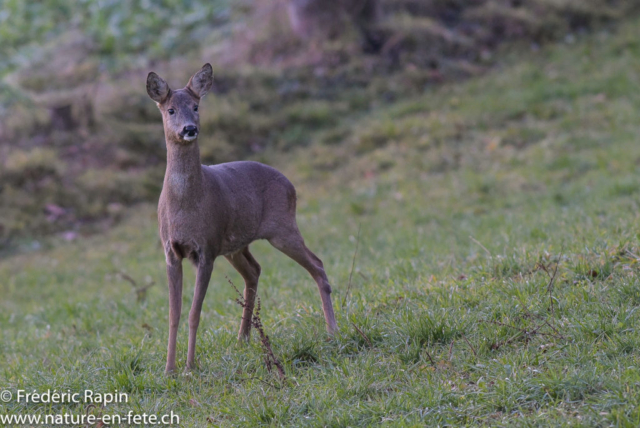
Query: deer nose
point(190, 130)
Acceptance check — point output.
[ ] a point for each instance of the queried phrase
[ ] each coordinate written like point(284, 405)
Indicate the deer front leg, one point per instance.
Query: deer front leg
point(174, 276)
point(202, 282)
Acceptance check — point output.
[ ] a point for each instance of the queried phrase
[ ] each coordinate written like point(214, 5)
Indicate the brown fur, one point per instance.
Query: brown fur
point(210, 211)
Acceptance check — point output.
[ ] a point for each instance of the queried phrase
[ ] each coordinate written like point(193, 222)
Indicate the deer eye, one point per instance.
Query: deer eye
point(195, 108)
point(171, 111)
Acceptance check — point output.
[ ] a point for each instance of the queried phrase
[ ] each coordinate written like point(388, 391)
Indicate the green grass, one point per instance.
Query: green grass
point(118, 30)
point(461, 196)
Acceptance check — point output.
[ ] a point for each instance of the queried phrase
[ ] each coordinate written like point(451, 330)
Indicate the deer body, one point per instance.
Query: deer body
point(224, 209)
point(210, 211)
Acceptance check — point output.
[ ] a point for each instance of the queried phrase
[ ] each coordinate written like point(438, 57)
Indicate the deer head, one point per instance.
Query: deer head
point(179, 108)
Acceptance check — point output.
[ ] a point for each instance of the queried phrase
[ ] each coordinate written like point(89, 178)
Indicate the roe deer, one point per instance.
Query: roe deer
point(208, 211)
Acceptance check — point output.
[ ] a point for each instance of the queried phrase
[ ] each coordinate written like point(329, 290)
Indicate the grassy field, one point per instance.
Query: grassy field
point(468, 200)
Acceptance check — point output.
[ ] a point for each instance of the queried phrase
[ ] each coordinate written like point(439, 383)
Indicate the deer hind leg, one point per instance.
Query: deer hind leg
point(249, 268)
point(292, 244)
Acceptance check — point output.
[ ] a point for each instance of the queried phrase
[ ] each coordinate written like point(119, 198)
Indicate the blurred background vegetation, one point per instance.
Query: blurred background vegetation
point(80, 141)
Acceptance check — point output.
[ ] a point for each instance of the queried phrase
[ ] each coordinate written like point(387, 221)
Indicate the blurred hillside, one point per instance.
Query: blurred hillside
point(80, 141)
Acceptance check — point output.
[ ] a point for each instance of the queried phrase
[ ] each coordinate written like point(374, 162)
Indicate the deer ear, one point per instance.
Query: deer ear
point(201, 82)
point(157, 88)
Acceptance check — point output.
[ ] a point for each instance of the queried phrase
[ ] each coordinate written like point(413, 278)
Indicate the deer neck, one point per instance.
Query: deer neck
point(183, 177)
